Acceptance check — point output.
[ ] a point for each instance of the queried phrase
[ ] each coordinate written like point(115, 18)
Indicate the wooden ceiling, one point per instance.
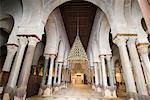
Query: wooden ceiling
point(85, 13)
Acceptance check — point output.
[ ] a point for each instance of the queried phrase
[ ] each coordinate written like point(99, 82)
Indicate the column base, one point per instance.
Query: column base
point(93, 87)
point(6, 96)
point(48, 91)
point(20, 93)
point(56, 88)
point(109, 92)
point(131, 96)
point(18, 98)
point(98, 89)
point(40, 92)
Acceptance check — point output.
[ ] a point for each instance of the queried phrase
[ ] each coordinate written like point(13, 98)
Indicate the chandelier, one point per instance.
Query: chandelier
point(77, 53)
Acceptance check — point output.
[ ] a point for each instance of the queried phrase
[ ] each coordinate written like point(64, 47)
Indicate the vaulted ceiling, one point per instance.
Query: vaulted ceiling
point(85, 13)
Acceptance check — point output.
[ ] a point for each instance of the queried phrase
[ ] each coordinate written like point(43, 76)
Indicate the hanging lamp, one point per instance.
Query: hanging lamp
point(77, 53)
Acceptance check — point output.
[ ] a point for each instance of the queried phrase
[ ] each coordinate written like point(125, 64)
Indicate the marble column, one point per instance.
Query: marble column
point(139, 77)
point(126, 66)
point(60, 73)
point(113, 69)
point(92, 74)
point(110, 70)
point(44, 74)
point(49, 82)
point(143, 51)
point(104, 75)
point(11, 51)
point(55, 76)
point(96, 73)
point(48, 90)
point(15, 68)
point(100, 73)
point(26, 67)
point(45, 69)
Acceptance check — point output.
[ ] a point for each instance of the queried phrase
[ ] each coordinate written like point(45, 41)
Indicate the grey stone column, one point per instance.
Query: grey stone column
point(59, 73)
point(96, 73)
point(139, 77)
point(126, 66)
point(100, 73)
point(49, 82)
point(16, 67)
point(11, 51)
point(104, 75)
point(55, 76)
point(45, 69)
point(42, 86)
point(92, 74)
point(113, 69)
point(143, 50)
point(25, 71)
point(110, 70)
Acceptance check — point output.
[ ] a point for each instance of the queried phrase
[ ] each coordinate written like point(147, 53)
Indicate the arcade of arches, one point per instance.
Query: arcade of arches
point(37, 36)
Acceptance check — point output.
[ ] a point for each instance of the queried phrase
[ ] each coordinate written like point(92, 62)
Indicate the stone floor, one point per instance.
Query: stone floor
point(74, 92)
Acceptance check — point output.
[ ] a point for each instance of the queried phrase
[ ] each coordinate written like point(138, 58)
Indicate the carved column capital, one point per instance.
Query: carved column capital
point(33, 41)
point(143, 49)
point(132, 40)
point(11, 48)
point(108, 57)
point(22, 40)
point(120, 40)
point(52, 56)
point(46, 56)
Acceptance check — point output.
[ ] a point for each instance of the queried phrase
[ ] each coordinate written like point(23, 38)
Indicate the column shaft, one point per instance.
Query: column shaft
point(49, 82)
point(110, 70)
point(100, 73)
point(25, 71)
point(45, 69)
point(55, 76)
point(59, 74)
point(143, 50)
point(96, 74)
point(104, 75)
point(12, 81)
point(11, 51)
point(126, 66)
point(139, 77)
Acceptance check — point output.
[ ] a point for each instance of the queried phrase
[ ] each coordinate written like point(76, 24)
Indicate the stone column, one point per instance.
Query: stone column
point(110, 70)
point(139, 77)
point(96, 73)
point(25, 71)
point(92, 74)
point(55, 76)
point(48, 90)
point(11, 51)
point(100, 74)
point(126, 66)
point(44, 75)
point(143, 50)
point(15, 68)
point(59, 73)
point(104, 75)
point(49, 82)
